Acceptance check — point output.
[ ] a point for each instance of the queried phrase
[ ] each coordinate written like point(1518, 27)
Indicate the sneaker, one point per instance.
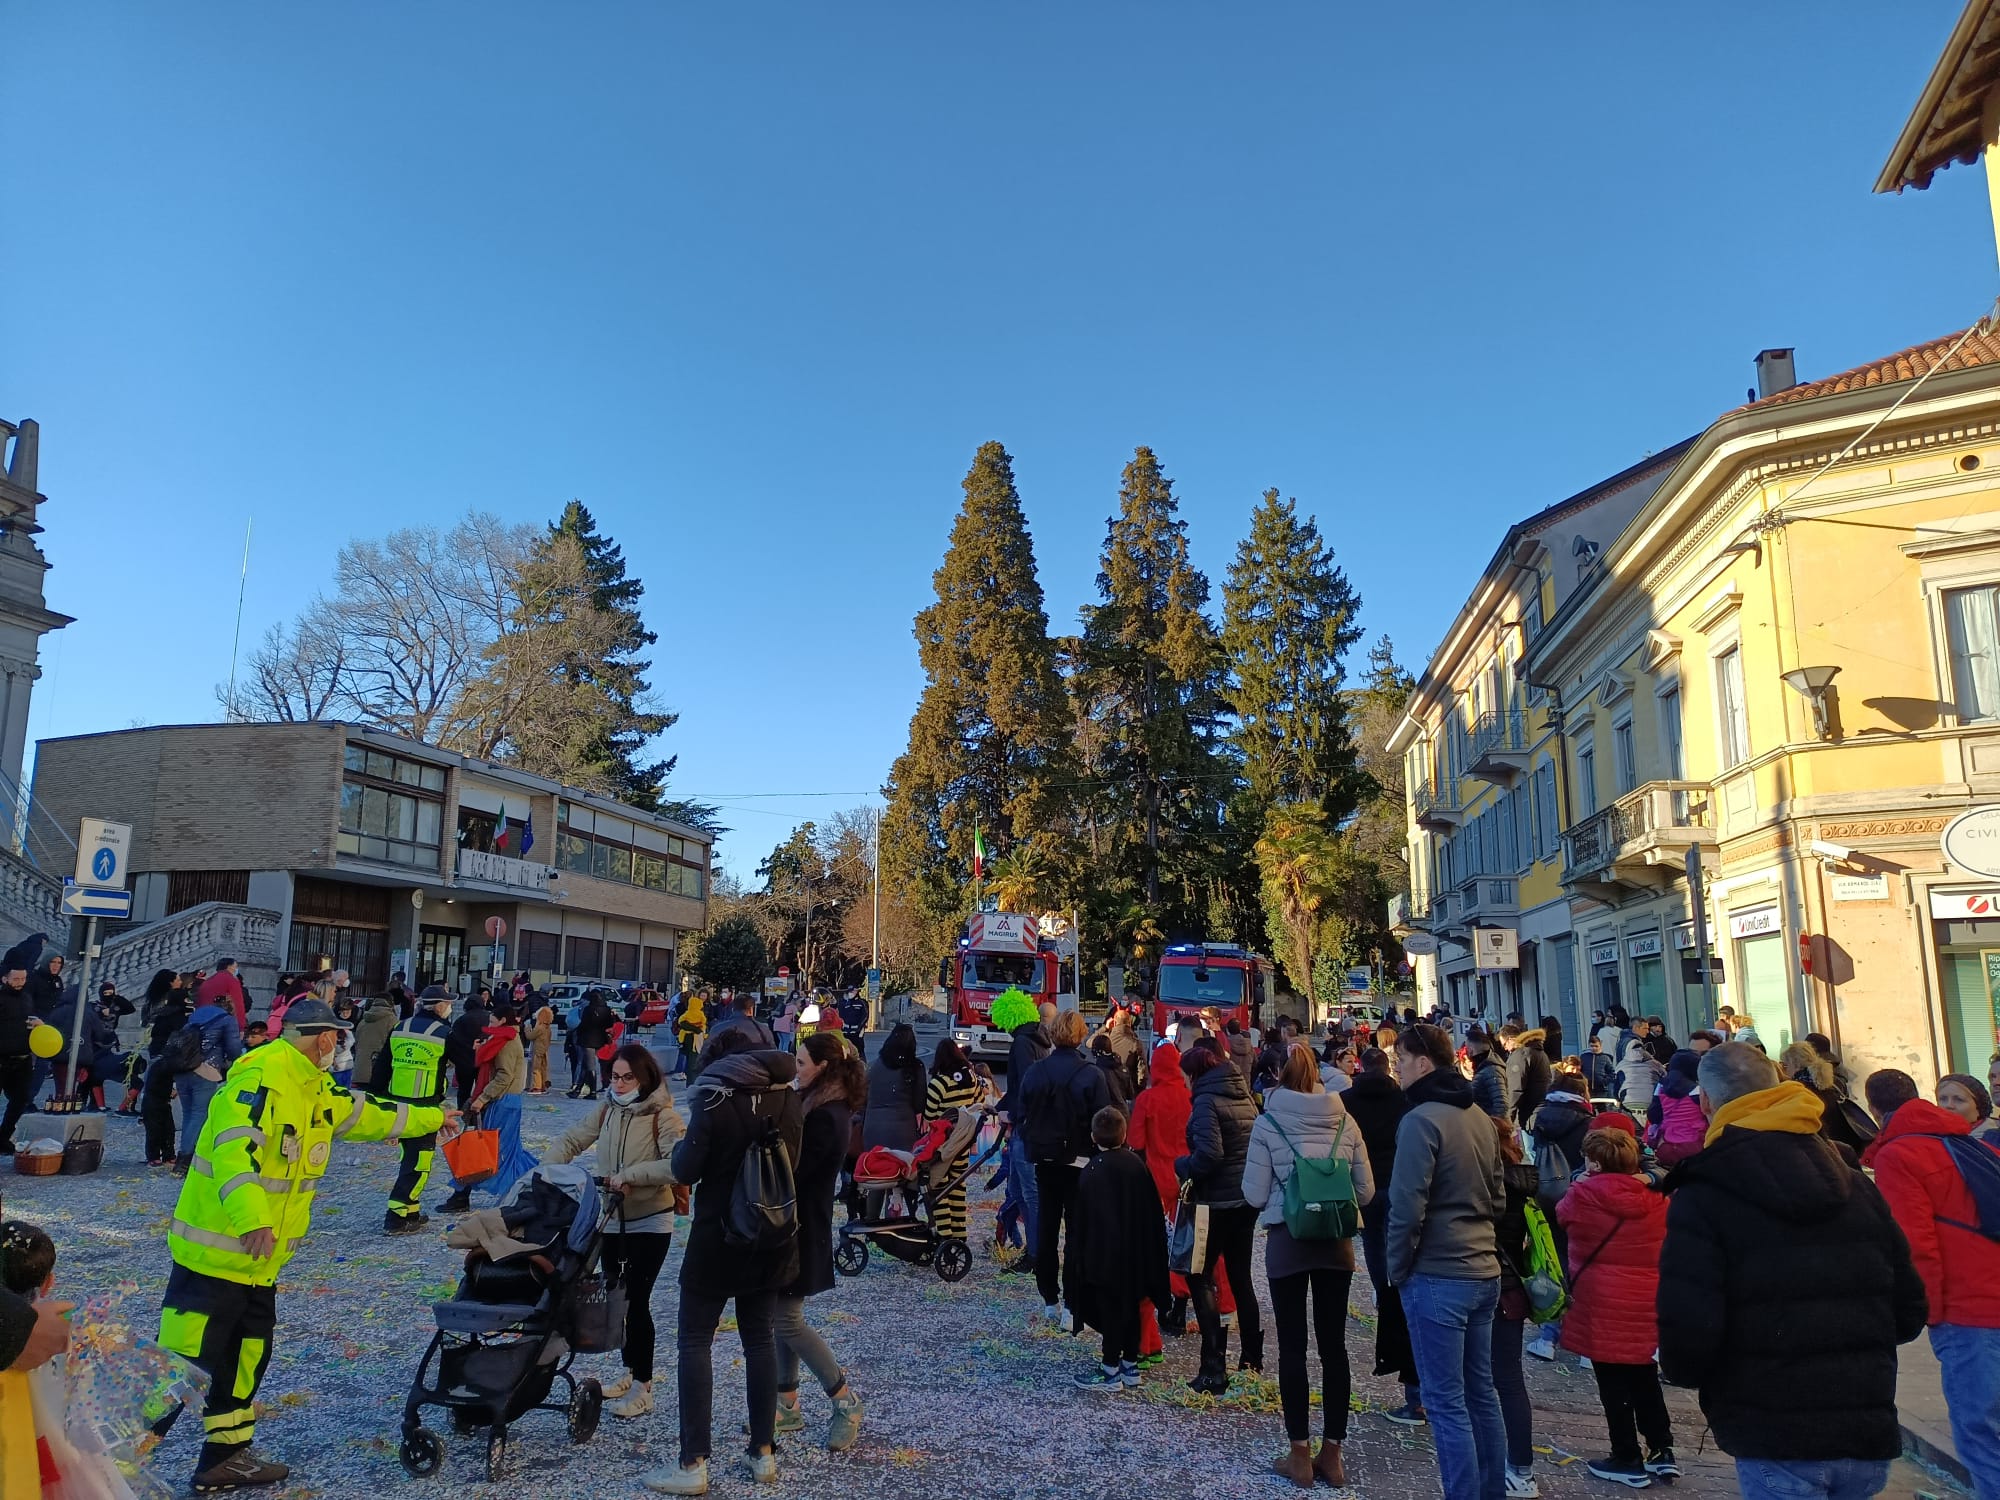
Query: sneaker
point(790, 1418)
point(1409, 1414)
point(1147, 1361)
point(676, 1480)
point(395, 1223)
point(1660, 1463)
point(1129, 1373)
point(1543, 1345)
point(1583, 1363)
point(242, 1470)
point(611, 1390)
point(1103, 1378)
point(1048, 1317)
point(459, 1202)
point(638, 1403)
point(761, 1467)
point(1631, 1473)
point(845, 1425)
point(1521, 1484)
point(1068, 1323)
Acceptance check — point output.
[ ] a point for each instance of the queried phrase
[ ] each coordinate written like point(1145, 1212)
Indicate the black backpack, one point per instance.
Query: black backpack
point(182, 1053)
point(763, 1205)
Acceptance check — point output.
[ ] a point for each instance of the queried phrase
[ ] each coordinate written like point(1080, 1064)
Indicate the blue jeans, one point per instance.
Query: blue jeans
point(1970, 1360)
point(1021, 1177)
point(1451, 1332)
point(195, 1092)
point(1810, 1479)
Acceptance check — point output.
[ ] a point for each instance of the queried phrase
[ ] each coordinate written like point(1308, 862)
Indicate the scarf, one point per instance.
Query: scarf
point(488, 1052)
point(1790, 1107)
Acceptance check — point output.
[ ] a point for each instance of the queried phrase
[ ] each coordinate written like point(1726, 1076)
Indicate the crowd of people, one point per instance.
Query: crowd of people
point(1702, 1215)
point(1699, 1215)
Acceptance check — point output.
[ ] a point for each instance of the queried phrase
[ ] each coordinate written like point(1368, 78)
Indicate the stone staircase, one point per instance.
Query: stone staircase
point(196, 938)
point(30, 902)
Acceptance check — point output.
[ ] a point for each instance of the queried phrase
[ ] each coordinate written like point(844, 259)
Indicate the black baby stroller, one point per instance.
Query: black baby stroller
point(942, 1161)
point(510, 1332)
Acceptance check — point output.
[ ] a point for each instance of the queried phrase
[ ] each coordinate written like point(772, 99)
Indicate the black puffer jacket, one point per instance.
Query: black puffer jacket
point(1058, 1098)
point(1489, 1085)
point(1218, 1137)
point(726, 1110)
point(1563, 1119)
point(1785, 1287)
point(1030, 1046)
point(1376, 1101)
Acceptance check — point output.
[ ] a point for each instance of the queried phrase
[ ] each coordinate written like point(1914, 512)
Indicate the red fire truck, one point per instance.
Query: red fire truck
point(1194, 977)
point(1000, 950)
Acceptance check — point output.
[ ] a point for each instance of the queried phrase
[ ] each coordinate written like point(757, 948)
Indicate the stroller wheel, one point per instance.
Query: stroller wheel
point(421, 1453)
point(496, 1451)
point(850, 1256)
point(952, 1260)
point(585, 1408)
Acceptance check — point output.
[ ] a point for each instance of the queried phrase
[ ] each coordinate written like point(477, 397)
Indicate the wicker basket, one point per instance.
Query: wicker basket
point(42, 1164)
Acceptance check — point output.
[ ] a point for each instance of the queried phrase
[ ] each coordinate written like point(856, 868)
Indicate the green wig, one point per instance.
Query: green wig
point(1014, 1007)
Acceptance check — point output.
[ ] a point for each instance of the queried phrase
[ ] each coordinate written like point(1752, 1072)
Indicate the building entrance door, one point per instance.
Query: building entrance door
point(440, 957)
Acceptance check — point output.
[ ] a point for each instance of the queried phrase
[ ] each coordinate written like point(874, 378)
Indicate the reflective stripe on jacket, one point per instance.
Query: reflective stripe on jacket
point(416, 1060)
point(263, 1148)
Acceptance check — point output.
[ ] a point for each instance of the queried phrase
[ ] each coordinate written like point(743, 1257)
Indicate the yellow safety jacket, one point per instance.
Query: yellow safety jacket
point(265, 1145)
point(416, 1060)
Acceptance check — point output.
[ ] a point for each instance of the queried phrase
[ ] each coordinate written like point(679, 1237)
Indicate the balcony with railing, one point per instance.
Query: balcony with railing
point(1437, 805)
point(1639, 842)
point(1489, 898)
point(1499, 747)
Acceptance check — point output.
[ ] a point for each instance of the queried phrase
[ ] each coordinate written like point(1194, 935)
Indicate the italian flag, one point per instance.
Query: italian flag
point(978, 854)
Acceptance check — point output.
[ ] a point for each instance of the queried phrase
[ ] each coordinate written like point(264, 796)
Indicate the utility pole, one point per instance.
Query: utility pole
point(75, 1093)
point(875, 872)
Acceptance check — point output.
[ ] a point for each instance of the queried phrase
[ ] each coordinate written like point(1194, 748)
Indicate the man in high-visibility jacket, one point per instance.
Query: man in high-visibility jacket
point(410, 1070)
point(245, 1207)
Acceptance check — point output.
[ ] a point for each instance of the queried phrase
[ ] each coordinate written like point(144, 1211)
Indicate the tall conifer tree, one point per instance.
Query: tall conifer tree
point(1288, 622)
point(1148, 679)
point(989, 731)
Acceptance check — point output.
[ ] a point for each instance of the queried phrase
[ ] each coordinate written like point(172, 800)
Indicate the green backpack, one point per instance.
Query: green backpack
point(1543, 1281)
point(1319, 1195)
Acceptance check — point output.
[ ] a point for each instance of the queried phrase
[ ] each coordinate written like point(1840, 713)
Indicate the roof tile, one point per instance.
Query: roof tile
point(1983, 348)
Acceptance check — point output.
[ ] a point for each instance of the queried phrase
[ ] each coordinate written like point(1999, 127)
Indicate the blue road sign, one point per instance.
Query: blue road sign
point(104, 863)
point(89, 901)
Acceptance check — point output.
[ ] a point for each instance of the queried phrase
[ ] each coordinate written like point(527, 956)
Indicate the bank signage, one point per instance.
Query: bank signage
point(1972, 841)
point(1743, 924)
point(1966, 906)
point(1645, 946)
point(1604, 953)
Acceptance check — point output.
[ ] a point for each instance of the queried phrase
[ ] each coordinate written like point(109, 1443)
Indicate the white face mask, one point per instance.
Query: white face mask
point(624, 1096)
point(325, 1059)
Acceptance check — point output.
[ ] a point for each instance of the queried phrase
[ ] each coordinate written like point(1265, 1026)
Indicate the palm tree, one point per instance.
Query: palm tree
point(1298, 859)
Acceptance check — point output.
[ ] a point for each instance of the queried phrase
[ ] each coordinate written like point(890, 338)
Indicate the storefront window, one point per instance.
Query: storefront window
point(1649, 987)
point(1969, 971)
point(1764, 994)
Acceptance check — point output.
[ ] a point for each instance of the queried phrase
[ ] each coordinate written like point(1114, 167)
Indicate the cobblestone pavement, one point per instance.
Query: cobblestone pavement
point(963, 1396)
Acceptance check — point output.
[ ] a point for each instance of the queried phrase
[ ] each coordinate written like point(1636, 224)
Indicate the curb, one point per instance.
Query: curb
point(1919, 1447)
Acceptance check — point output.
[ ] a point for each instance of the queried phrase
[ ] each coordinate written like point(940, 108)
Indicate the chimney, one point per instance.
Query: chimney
point(1775, 372)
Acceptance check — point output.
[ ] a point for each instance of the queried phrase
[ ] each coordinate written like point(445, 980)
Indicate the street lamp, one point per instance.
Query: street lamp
point(1815, 685)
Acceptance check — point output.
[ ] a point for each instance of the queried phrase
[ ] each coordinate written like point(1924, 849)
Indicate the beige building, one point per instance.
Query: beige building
point(378, 853)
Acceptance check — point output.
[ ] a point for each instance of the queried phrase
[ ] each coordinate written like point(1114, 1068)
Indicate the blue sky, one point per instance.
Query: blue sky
point(754, 281)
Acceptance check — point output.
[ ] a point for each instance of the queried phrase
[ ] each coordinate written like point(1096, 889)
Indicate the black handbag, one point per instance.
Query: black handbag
point(598, 1325)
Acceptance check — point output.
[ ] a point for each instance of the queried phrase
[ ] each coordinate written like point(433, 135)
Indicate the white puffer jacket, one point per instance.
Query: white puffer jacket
point(1311, 1121)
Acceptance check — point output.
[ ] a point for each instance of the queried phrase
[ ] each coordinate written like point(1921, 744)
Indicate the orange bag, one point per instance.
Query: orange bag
point(473, 1156)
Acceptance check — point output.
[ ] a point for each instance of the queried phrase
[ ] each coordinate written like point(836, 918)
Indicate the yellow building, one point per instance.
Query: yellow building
point(1486, 805)
point(1789, 662)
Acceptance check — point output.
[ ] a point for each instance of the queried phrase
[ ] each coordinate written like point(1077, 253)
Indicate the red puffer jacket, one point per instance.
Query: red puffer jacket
point(1960, 1267)
point(1616, 1226)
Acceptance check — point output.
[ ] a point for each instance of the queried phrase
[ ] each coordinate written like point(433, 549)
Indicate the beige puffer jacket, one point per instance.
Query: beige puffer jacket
point(634, 1143)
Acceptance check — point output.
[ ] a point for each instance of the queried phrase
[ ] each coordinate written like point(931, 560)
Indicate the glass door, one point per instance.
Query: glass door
point(440, 956)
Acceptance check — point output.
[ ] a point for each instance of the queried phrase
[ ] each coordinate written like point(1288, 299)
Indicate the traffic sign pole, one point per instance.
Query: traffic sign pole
point(75, 1092)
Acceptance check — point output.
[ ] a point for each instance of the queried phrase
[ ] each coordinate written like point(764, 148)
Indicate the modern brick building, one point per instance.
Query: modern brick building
point(379, 852)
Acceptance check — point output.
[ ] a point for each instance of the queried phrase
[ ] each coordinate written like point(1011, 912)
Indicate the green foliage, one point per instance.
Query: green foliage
point(987, 742)
point(731, 952)
point(1288, 623)
point(1014, 1007)
point(1147, 679)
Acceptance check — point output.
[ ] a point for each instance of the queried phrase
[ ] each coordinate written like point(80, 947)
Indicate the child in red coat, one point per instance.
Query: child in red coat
point(1616, 1226)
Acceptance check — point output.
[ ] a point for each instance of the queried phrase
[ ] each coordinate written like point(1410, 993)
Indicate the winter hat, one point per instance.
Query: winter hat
point(1612, 1119)
point(1682, 1074)
point(24, 953)
point(1166, 1063)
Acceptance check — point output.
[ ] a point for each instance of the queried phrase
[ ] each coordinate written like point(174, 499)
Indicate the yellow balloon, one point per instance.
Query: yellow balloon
point(45, 1041)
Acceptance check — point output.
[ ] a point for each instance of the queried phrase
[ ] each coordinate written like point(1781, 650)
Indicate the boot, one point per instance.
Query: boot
point(1330, 1466)
point(459, 1202)
point(1297, 1465)
point(395, 1223)
point(1174, 1324)
point(1211, 1377)
point(1253, 1352)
